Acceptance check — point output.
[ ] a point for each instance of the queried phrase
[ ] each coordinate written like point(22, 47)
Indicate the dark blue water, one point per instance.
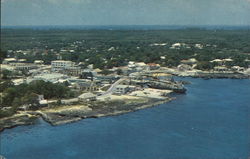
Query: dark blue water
point(211, 122)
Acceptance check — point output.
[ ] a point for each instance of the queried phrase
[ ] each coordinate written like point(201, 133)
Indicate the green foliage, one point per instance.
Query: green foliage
point(93, 46)
point(204, 65)
point(2, 55)
point(106, 72)
point(6, 74)
point(16, 96)
point(5, 84)
point(6, 113)
point(119, 72)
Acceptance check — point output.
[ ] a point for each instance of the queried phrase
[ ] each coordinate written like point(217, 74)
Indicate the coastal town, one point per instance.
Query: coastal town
point(121, 90)
point(125, 79)
point(87, 79)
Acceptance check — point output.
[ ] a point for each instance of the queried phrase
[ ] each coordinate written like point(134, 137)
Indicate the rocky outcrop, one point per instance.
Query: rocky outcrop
point(16, 120)
point(222, 75)
point(175, 86)
point(93, 110)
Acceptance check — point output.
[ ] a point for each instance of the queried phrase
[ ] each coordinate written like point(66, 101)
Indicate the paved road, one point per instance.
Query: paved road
point(112, 87)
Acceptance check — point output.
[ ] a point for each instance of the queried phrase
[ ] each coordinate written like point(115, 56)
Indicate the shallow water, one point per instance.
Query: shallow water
point(210, 122)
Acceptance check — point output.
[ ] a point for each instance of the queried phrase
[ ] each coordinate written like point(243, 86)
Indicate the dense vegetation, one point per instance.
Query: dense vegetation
point(16, 96)
point(107, 48)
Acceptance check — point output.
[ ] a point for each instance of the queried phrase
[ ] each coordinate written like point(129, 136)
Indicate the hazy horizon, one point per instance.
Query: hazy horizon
point(125, 12)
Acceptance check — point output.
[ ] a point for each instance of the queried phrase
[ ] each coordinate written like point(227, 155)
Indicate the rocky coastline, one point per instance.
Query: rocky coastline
point(212, 75)
point(222, 75)
point(69, 114)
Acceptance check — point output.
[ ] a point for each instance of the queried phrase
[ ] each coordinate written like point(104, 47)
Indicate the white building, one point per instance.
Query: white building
point(38, 62)
point(23, 66)
point(59, 65)
point(9, 60)
point(48, 77)
point(123, 89)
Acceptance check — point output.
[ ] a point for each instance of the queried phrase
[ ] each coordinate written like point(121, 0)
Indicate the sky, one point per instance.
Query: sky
point(125, 12)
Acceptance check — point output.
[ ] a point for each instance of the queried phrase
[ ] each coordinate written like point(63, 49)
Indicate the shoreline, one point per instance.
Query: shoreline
point(67, 116)
point(59, 118)
point(209, 75)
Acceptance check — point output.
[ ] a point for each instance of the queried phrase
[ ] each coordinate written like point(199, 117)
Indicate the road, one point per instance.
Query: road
point(112, 87)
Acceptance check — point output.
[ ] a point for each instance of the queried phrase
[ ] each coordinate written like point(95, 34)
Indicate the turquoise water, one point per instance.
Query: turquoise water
point(212, 121)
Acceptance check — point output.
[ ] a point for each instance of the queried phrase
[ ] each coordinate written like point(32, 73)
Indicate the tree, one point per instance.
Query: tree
point(6, 74)
point(6, 84)
point(119, 71)
point(204, 65)
point(30, 98)
point(2, 55)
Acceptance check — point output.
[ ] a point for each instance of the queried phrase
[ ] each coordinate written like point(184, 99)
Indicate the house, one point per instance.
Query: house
point(184, 67)
point(43, 103)
point(22, 60)
point(87, 97)
point(190, 61)
point(238, 68)
point(86, 86)
point(220, 68)
point(38, 62)
point(153, 66)
point(218, 61)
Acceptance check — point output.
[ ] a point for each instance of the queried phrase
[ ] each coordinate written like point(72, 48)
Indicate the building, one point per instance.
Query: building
point(184, 67)
point(86, 86)
point(60, 65)
point(191, 61)
point(123, 89)
point(237, 68)
point(72, 71)
point(23, 66)
point(217, 61)
point(153, 66)
point(48, 77)
point(221, 69)
point(9, 60)
point(38, 62)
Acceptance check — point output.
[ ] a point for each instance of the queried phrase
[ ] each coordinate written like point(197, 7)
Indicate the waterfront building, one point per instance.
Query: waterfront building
point(221, 68)
point(237, 68)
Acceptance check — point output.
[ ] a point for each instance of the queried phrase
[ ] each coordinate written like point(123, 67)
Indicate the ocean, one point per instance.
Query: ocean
point(210, 121)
